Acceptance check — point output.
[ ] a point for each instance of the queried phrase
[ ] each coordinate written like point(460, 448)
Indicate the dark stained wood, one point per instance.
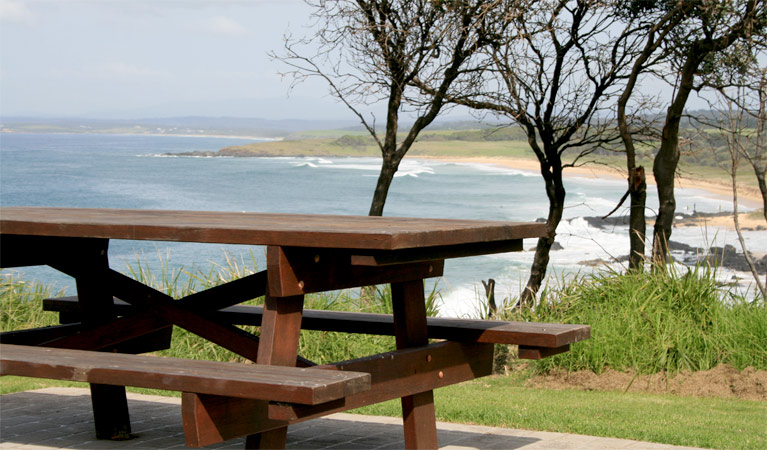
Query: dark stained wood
point(531, 334)
point(90, 265)
point(147, 343)
point(280, 330)
point(228, 294)
point(357, 232)
point(111, 333)
point(255, 381)
point(162, 305)
point(527, 352)
point(108, 337)
point(297, 271)
point(406, 372)
point(280, 333)
point(19, 251)
point(110, 412)
point(209, 419)
point(410, 330)
point(37, 336)
point(383, 258)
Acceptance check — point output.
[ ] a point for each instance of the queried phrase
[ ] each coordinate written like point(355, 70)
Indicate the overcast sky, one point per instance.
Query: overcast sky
point(157, 58)
point(151, 58)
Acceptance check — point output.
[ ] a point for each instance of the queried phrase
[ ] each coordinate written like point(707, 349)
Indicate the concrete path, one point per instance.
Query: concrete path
point(61, 418)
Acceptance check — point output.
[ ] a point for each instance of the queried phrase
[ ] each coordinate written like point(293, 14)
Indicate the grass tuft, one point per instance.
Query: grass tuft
point(654, 321)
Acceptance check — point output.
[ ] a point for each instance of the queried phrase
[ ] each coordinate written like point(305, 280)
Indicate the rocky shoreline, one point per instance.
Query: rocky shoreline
point(727, 257)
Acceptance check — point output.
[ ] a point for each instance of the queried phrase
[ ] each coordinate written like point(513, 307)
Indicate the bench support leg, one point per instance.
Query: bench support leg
point(91, 266)
point(410, 331)
point(278, 345)
point(110, 412)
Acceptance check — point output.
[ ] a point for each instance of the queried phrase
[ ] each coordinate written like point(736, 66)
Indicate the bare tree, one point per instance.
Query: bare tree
point(756, 152)
point(713, 27)
point(757, 155)
point(557, 77)
point(371, 51)
point(739, 120)
point(658, 24)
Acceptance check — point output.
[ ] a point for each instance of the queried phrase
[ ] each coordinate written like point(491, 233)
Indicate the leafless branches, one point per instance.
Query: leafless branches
point(371, 52)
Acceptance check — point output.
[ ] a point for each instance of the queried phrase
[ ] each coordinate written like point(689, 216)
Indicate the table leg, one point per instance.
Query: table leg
point(110, 405)
point(410, 331)
point(278, 345)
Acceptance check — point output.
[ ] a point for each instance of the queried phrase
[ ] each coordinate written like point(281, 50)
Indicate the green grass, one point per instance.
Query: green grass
point(668, 419)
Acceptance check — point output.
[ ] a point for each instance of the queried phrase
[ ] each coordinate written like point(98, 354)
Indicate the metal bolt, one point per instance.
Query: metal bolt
point(428, 358)
point(441, 374)
point(300, 285)
point(316, 258)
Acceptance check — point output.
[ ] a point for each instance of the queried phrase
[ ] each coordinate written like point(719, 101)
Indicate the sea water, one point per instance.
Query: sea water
point(135, 171)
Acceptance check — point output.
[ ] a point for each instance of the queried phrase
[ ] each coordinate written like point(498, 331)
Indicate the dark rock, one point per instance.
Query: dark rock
point(610, 222)
point(680, 247)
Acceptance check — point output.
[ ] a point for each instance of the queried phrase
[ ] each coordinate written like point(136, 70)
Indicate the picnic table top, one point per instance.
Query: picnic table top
point(294, 230)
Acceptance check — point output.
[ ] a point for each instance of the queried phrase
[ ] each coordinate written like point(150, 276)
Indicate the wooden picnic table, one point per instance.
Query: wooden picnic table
point(305, 254)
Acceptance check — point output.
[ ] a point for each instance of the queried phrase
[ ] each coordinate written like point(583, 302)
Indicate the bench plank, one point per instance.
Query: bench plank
point(281, 384)
point(528, 334)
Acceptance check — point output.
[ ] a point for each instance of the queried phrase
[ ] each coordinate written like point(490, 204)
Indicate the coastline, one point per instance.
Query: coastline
point(749, 198)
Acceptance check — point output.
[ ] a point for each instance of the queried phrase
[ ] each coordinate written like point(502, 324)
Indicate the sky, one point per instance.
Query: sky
point(153, 58)
point(128, 59)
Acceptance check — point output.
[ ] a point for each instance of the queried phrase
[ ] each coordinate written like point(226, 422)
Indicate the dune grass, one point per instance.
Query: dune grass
point(673, 320)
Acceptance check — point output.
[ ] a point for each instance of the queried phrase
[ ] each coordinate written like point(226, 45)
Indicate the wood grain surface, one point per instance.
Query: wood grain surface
point(319, 231)
point(256, 381)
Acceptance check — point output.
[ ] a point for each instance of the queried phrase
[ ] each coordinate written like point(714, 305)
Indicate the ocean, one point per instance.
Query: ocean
point(134, 171)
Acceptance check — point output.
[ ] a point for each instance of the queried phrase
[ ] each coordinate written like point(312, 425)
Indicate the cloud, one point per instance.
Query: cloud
point(15, 11)
point(224, 26)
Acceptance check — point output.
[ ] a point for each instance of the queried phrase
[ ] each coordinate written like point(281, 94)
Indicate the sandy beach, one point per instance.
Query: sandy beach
point(748, 198)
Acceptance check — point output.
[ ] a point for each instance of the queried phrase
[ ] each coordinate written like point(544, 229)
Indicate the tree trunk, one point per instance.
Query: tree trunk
point(664, 170)
point(665, 164)
point(667, 160)
point(388, 169)
point(637, 220)
point(555, 191)
point(763, 190)
point(636, 174)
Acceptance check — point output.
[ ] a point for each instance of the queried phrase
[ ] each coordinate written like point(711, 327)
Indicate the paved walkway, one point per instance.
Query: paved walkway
point(61, 418)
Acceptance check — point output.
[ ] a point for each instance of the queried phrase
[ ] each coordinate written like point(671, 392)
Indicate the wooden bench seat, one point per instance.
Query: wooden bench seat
point(535, 340)
point(252, 381)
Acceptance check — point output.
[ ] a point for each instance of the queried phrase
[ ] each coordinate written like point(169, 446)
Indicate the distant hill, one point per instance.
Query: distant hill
point(196, 126)
point(201, 126)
